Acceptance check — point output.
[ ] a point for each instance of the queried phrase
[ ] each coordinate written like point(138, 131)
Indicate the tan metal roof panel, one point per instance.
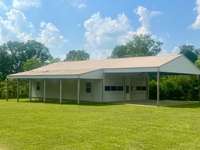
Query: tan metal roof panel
point(80, 67)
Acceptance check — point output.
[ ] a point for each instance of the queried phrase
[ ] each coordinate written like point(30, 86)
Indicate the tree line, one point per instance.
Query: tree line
point(23, 56)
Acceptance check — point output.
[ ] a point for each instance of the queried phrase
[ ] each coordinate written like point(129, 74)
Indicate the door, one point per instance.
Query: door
point(138, 88)
point(127, 90)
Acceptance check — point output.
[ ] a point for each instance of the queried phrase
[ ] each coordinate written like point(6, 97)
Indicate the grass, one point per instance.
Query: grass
point(38, 126)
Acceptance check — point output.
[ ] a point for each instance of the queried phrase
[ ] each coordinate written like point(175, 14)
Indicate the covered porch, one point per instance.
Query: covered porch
point(111, 80)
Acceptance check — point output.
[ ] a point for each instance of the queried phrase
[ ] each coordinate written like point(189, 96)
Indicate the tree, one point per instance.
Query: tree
point(54, 60)
point(197, 63)
point(140, 45)
point(32, 64)
point(190, 52)
point(75, 55)
point(5, 63)
point(14, 54)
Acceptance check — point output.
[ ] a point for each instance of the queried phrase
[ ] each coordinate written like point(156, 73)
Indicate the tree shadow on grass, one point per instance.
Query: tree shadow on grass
point(181, 104)
point(196, 105)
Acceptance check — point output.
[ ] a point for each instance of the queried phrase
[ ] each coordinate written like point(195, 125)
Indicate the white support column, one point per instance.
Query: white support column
point(17, 90)
point(102, 91)
point(30, 90)
point(78, 91)
point(158, 87)
point(44, 91)
point(6, 89)
point(199, 87)
point(147, 85)
point(60, 91)
point(124, 89)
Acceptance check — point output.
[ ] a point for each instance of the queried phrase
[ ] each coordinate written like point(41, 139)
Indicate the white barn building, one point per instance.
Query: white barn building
point(109, 80)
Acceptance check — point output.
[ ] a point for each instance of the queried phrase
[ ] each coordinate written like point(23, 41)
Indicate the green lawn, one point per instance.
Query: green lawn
point(38, 126)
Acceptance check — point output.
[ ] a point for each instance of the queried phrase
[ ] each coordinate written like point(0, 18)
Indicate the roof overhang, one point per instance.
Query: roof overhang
point(178, 65)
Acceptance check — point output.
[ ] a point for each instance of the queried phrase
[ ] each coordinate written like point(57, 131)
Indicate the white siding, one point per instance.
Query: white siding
point(95, 94)
point(180, 65)
point(69, 90)
point(97, 74)
point(139, 81)
point(110, 96)
point(131, 80)
point(35, 92)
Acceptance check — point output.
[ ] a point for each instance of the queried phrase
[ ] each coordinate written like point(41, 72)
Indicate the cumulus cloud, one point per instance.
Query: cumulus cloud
point(80, 4)
point(51, 36)
point(15, 26)
point(103, 33)
point(145, 17)
point(25, 4)
point(3, 6)
point(196, 24)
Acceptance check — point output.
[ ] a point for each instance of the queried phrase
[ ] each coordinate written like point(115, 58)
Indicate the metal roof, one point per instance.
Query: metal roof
point(70, 68)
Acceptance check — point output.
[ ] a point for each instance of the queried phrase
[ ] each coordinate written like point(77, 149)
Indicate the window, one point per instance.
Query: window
point(113, 88)
point(141, 88)
point(127, 89)
point(88, 87)
point(38, 86)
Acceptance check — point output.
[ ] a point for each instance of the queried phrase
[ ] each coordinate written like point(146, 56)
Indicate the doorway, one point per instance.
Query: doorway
point(127, 91)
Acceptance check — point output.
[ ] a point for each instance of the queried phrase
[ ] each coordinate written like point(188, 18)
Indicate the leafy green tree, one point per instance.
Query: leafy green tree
point(54, 60)
point(176, 88)
point(190, 52)
point(14, 54)
point(5, 63)
point(197, 63)
point(76, 55)
point(140, 45)
point(32, 64)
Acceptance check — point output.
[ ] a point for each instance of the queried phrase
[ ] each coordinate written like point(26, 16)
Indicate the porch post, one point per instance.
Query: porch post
point(158, 87)
point(147, 85)
point(17, 90)
point(124, 89)
point(44, 91)
point(199, 87)
point(78, 91)
point(60, 91)
point(30, 90)
point(102, 92)
point(6, 89)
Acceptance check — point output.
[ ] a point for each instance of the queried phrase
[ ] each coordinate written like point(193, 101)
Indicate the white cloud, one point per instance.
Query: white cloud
point(51, 36)
point(25, 4)
point(80, 4)
point(103, 33)
point(145, 17)
point(3, 6)
point(196, 24)
point(14, 26)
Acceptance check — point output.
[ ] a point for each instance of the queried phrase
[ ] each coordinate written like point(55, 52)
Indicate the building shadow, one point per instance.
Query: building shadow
point(72, 102)
point(163, 103)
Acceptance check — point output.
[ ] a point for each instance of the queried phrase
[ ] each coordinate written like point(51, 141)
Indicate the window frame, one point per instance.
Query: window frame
point(113, 88)
point(88, 87)
point(38, 86)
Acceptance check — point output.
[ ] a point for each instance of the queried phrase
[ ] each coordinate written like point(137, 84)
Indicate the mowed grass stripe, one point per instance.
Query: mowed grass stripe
point(31, 126)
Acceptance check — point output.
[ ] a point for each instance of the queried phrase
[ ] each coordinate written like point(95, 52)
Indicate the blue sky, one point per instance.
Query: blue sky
point(97, 26)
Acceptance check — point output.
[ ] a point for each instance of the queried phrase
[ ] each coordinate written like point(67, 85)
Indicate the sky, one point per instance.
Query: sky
point(97, 26)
